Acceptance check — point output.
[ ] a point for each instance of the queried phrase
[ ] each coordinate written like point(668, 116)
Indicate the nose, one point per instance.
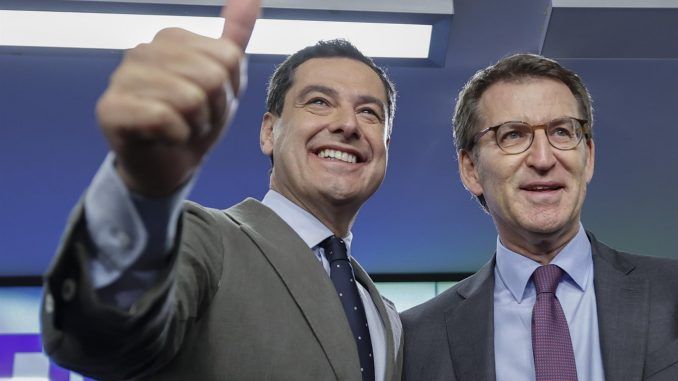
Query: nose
point(540, 155)
point(346, 123)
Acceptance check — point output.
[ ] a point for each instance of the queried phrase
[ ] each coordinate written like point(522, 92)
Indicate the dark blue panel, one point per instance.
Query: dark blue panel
point(421, 220)
point(612, 33)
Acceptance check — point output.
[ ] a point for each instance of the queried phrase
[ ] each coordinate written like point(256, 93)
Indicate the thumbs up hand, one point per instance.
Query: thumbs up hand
point(168, 101)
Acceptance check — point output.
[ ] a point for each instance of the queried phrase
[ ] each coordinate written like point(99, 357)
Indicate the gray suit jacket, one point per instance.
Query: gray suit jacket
point(243, 298)
point(451, 337)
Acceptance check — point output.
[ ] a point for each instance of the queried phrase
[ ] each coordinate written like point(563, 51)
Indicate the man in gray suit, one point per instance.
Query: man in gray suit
point(553, 303)
point(145, 288)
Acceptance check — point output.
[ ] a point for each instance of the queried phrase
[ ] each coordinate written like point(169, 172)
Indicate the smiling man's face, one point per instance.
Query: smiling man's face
point(329, 145)
point(539, 193)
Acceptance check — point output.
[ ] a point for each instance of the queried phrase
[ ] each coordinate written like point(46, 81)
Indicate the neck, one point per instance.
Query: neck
point(337, 217)
point(538, 246)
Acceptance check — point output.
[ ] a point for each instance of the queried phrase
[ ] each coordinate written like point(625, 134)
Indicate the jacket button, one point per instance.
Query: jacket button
point(49, 303)
point(68, 290)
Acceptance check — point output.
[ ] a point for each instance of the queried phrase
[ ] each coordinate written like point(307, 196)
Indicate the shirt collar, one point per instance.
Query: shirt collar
point(307, 226)
point(575, 259)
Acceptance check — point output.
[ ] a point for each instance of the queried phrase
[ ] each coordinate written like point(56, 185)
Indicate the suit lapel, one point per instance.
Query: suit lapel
point(622, 303)
point(306, 280)
point(365, 280)
point(470, 327)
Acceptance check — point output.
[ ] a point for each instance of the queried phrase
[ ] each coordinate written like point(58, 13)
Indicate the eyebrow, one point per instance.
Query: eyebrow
point(333, 93)
point(371, 99)
point(317, 88)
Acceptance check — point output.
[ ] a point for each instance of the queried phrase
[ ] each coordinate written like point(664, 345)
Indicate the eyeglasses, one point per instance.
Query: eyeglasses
point(517, 137)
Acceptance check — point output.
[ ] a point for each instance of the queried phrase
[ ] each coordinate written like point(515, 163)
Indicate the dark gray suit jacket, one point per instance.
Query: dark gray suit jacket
point(451, 337)
point(243, 298)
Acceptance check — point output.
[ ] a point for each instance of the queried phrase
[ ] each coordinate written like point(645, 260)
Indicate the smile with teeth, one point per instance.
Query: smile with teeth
point(542, 188)
point(338, 155)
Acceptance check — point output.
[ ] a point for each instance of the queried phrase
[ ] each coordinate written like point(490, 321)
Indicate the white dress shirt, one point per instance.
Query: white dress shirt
point(312, 231)
point(515, 295)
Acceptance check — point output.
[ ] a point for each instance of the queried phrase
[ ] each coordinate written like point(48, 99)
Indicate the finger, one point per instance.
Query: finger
point(125, 118)
point(218, 103)
point(186, 97)
point(191, 61)
point(240, 16)
point(194, 49)
point(221, 63)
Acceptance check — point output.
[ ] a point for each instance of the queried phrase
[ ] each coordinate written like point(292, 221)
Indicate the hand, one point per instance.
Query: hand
point(167, 103)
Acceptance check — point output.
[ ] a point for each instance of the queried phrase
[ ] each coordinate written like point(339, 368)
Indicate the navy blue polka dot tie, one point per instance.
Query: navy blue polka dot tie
point(341, 273)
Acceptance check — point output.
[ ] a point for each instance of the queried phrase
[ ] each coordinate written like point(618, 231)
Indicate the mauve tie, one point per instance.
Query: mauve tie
point(551, 343)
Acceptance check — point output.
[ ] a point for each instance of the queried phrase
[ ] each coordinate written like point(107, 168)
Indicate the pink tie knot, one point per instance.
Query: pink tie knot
point(546, 278)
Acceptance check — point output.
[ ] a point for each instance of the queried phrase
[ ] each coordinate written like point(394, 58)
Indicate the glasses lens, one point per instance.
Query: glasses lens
point(514, 137)
point(564, 133)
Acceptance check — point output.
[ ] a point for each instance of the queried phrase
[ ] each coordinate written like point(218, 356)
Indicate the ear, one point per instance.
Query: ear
point(387, 132)
point(469, 173)
point(266, 134)
point(590, 159)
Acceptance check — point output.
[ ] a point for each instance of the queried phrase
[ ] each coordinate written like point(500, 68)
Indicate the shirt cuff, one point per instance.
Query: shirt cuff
point(126, 227)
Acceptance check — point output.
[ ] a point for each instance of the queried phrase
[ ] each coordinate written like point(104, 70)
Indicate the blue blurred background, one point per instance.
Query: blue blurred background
point(421, 225)
point(421, 220)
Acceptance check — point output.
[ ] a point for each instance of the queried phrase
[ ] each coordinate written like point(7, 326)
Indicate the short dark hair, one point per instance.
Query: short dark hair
point(283, 77)
point(516, 68)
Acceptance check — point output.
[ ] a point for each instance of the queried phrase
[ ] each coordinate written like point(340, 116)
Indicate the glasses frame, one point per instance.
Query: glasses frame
point(543, 126)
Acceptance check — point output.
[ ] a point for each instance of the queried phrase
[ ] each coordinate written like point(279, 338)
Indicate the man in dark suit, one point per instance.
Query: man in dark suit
point(553, 303)
point(145, 288)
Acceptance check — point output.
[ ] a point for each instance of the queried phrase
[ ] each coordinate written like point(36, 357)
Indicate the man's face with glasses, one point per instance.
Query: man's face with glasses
point(531, 160)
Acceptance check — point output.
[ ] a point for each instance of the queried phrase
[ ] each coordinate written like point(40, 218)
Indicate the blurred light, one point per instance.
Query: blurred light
point(123, 31)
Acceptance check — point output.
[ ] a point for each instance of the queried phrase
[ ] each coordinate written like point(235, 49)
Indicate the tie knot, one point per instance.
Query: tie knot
point(335, 248)
point(546, 278)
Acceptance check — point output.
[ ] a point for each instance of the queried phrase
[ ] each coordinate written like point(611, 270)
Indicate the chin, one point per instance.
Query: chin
point(548, 223)
point(342, 197)
point(542, 220)
point(544, 229)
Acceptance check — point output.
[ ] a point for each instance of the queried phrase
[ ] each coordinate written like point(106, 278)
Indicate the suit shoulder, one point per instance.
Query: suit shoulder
point(193, 207)
point(657, 269)
point(643, 266)
point(649, 260)
point(661, 272)
point(205, 218)
point(434, 307)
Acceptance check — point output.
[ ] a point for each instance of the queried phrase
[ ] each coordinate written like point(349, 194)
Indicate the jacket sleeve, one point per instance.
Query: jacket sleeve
point(86, 335)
